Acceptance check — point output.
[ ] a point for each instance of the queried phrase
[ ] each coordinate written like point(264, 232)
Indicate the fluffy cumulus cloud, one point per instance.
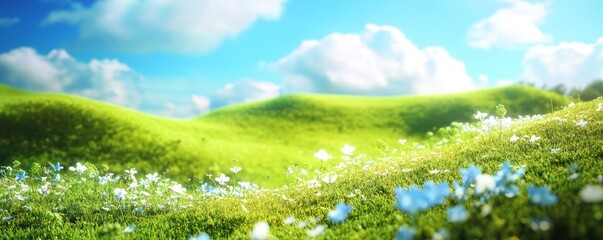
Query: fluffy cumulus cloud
point(7, 22)
point(244, 91)
point(573, 64)
point(379, 61)
point(186, 26)
point(512, 26)
point(105, 80)
point(197, 105)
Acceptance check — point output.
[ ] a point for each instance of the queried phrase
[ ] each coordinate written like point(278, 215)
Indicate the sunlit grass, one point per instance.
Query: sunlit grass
point(529, 177)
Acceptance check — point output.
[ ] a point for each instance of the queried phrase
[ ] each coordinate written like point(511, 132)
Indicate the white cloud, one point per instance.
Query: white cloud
point(198, 105)
point(244, 91)
point(379, 61)
point(573, 64)
point(483, 78)
point(7, 22)
point(185, 26)
point(513, 26)
point(105, 80)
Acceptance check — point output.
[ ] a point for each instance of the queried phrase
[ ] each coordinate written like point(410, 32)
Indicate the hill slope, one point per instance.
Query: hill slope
point(263, 138)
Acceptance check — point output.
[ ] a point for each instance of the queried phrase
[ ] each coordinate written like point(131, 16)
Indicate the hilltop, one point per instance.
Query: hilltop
point(264, 138)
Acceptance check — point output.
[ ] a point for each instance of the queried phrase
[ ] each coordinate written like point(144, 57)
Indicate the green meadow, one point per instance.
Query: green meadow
point(263, 138)
point(530, 169)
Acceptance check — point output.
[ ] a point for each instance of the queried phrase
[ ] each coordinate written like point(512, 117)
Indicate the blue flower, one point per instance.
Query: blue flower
point(4, 219)
point(20, 176)
point(457, 214)
point(340, 213)
point(56, 167)
point(129, 229)
point(57, 178)
point(505, 179)
point(202, 236)
point(470, 174)
point(411, 200)
point(405, 233)
point(541, 196)
point(415, 199)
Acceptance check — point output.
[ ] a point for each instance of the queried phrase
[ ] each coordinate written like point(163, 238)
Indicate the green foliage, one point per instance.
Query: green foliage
point(79, 207)
point(266, 137)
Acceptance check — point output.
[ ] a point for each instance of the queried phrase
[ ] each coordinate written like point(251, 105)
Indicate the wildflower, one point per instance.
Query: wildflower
point(441, 234)
point(534, 139)
point(581, 123)
point(289, 170)
point(103, 180)
point(4, 219)
point(484, 182)
point(322, 155)
point(574, 176)
point(303, 172)
point(178, 188)
point(152, 177)
point(316, 231)
point(131, 171)
point(261, 231)
point(244, 185)
point(313, 183)
point(571, 104)
point(480, 116)
point(44, 190)
point(340, 213)
point(541, 196)
point(222, 179)
point(435, 194)
point(348, 150)
point(415, 199)
point(540, 224)
point(57, 178)
point(119, 193)
point(486, 209)
point(555, 150)
point(330, 179)
point(138, 210)
point(459, 191)
point(591, 193)
point(56, 167)
point(405, 233)
point(129, 229)
point(289, 220)
point(402, 141)
point(599, 107)
point(79, 168)
point(202, 236)
point(235, 169)
point(470, 174)
point(514, 138)
point(457, 214)
point(20, 176)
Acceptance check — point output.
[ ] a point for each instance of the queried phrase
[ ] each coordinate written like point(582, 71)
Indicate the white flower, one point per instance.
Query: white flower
point(348, 150)
point(222, 179)
point(132, 171)
point(480, 116)
point(244, 185)
point(484, 182)
point(406, 170)
point(289, 220)
point(235, 169)
point(434, 171)
point(316, 231)
point(261, 231)
point(591, 193)
point(402, 141)
point(330, 179)
point(599, 107)
point(514, 138)
point(571, 104)
point(152, 177)
point(289, 170)
point(44, 189)
point(581, 123)
point(322, 155)
point(120, 193)
point(178, 188)
point(534, 138)
point(79, 168)
point(303, 172)
point(313, 183)
point(555, 150)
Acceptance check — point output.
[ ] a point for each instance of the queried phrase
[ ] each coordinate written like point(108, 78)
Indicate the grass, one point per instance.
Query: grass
point(78, 206)
point(263, 138)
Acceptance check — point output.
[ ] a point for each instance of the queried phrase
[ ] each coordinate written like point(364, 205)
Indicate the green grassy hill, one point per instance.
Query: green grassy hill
point(263, 138)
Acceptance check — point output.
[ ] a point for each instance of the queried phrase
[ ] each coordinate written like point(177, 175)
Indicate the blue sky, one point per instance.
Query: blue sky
point(181, 58)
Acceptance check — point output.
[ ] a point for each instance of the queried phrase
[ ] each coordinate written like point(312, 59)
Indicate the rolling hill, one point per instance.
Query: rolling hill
point(263, 138)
